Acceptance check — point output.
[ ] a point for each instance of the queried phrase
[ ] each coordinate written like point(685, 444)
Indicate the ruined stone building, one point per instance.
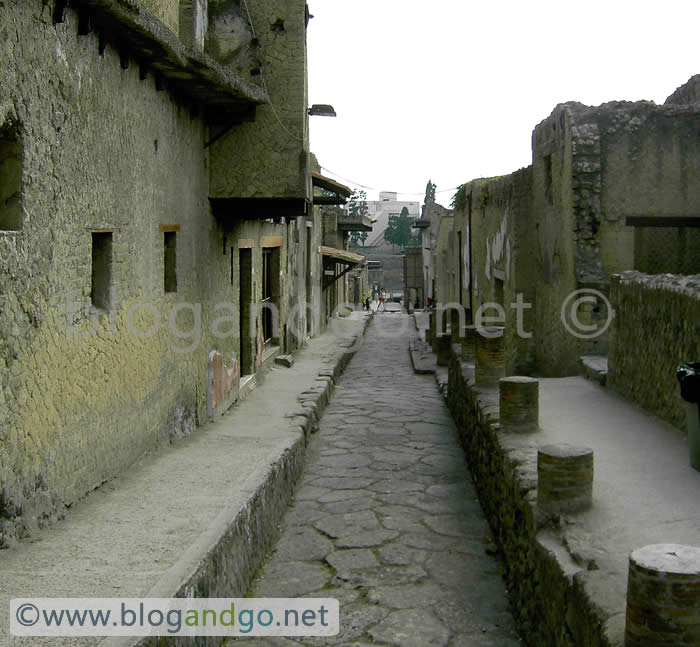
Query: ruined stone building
point(611, 189)
point(344, 281)
point(158, 242)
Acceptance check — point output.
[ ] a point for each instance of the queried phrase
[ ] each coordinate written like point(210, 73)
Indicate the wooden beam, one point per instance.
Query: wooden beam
point(271, 241)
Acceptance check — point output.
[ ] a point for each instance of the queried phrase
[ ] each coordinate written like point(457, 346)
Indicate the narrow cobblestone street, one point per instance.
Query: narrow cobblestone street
point(385, 518)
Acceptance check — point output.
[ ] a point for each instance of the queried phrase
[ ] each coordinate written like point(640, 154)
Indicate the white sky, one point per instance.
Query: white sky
point(450, 90)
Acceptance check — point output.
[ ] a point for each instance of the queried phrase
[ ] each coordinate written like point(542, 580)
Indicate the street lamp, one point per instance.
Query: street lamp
point(321, 110)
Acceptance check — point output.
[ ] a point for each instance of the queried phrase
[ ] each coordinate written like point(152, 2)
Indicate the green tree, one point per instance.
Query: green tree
point(399, 231)
point(357, 237)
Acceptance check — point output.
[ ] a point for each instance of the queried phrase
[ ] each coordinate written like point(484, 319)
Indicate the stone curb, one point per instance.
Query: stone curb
point(225, 557)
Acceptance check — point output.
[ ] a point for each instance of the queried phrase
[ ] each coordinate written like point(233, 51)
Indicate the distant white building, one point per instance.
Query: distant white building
point(381, 209)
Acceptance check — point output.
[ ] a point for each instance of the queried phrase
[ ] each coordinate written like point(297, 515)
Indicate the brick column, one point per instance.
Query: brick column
point(467, 335)
point(663, 597)
point(519, 403)
point(490, 356)
point(564, 478)
point(444, 348)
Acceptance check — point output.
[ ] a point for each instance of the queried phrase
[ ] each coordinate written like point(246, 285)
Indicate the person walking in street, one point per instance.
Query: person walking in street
point(382, 299)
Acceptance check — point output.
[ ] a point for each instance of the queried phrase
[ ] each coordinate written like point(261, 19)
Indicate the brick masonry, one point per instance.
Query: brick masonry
point(656, 327)
point(551, 606)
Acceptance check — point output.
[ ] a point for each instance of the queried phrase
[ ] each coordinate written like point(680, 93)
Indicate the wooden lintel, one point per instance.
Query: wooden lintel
point(271, 241)
point(246, 243)
point(164, 228)
point(103, 230)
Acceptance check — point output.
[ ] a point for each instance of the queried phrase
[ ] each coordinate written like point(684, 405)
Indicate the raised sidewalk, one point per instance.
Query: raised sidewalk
point(195, 517)
point(567, 575)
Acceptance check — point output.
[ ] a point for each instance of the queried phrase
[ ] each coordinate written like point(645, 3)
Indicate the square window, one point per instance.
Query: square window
point(170, 261)
point(101, 286)
point(10, 181)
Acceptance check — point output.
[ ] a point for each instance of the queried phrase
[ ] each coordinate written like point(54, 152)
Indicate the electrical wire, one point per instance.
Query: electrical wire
point(301, 139)
point(371, 188)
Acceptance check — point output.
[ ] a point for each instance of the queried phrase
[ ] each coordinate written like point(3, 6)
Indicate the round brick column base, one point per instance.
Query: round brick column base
point(564, 478)
point(490, 356)
point(444, 348)
point(519, 403)
point(467, 336)
point(663, 597)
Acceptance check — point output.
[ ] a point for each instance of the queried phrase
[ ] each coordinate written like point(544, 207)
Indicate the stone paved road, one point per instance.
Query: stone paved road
point(386, 519)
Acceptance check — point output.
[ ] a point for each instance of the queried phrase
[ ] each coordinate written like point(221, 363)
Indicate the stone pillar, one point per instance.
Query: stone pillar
point(490, 356)
point(468, 336)
point(564, 478)
point(444, 348)
point(663, 596)
point(519, 403)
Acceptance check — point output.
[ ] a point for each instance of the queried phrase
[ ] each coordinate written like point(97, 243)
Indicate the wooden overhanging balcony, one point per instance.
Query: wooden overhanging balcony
point(193, 77)
point(327, 191)
point(337, 263)
point(349, 222)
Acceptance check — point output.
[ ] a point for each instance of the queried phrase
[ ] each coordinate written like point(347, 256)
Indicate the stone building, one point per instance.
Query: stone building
point(158, 244)
point(345, 273)
point(611, 188)
point(429, 227)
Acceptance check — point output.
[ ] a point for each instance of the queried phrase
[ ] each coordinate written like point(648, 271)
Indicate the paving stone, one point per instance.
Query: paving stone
point(345, 560)
point(411, 628)
point(349, 460)
point(351, 505)
point(398, 485)
point(387, 576)
point(366, 539)
point(345, 483)
point(449, 524)
point(310, 493)
point(428, 541)
point(343, 495)
point(303, 544)
point(282, 579)
point(303, 513)
point(399, 555)
point(406, 596)
point(340, 525)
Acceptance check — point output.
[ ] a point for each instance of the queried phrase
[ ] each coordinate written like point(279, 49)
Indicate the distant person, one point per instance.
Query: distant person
point(382, 299)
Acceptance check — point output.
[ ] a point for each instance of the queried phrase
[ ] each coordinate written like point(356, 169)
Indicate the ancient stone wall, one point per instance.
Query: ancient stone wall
point(687, 93)
point(498, 257)
point(656, 327)
point(557, 254)
point(167, 11)
point(270, 156)
point(112, 276)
